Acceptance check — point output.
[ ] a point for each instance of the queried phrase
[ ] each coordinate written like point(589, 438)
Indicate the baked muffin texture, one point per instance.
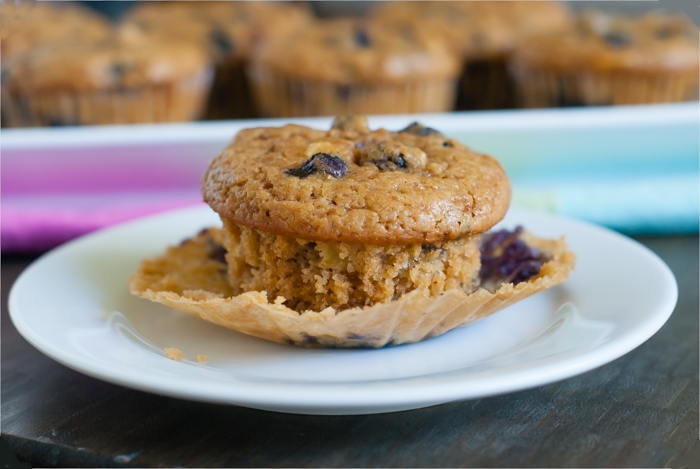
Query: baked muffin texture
point(231, 32)
point(353, 66)
point(352, 238)
point(483, 34)
point(410, 186)
point(611, 59)
point(128, 77)
point(353, 217)
point(26, 26)
point(192, 278)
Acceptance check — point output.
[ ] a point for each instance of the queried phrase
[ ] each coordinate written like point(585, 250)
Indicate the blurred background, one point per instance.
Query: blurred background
point(111, 110)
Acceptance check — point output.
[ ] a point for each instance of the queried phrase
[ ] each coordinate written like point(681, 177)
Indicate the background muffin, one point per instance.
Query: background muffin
point(483, 34)
point(26, 27)
point(127, 77)
point(354, 66)
point(230, 32)
point(611, 59)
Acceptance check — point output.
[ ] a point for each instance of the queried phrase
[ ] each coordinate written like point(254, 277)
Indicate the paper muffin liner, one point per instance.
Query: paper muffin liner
point(230, 96)
point(543, 88)
point(280, 96)
point(177, 101)
point(190, 279)
point(486, 84)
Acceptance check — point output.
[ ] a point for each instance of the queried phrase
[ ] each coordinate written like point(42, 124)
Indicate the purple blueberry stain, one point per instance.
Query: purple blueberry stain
point(616, 39)
point(320, 162)
point(505, 258)
point(422, 131)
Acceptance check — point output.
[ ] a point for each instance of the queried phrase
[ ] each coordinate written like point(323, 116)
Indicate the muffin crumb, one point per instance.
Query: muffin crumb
point(174, 354)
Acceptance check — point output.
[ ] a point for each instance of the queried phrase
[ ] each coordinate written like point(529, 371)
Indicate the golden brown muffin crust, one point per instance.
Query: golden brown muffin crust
point(359, 51)
point(227, 29)
point(24, 27)
point(406, 187)
point(602, 41)
point(125, 59)
point(477, 29)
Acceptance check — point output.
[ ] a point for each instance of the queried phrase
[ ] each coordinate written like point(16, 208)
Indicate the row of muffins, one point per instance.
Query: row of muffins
point(179, 61)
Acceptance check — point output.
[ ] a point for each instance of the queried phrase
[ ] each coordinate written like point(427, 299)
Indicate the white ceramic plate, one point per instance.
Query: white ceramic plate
point(73, 304)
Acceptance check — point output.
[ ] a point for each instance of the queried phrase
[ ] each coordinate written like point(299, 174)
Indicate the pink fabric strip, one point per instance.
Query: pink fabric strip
point(38, 223)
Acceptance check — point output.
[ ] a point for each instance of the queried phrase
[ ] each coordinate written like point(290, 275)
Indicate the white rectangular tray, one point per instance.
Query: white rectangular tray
point(632, 168)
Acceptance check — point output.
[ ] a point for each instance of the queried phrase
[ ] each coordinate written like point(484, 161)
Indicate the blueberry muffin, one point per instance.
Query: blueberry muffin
point(27, 27)
point(611, 59)
point(354, 66)
point(352, 237)
point(230, 32)
point(483, 34)
point(127, 77)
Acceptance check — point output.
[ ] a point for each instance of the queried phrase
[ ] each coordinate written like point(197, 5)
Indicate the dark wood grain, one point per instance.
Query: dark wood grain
point(638, 411)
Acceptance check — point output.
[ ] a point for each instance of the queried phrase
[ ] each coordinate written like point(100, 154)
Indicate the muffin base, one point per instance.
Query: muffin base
point(538, 88)
point(315, 275)
point(164, 102)
point(486, 84)
point(230, 96)
point(280, 96)
point(191, 279)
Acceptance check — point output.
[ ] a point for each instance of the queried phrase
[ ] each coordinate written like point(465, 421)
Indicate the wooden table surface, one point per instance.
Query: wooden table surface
point(638, 411)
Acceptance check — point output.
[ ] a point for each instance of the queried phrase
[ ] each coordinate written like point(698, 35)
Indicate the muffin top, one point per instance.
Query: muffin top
point(604, 41)
point(28, 26)
point(354, 185)
point(352, 50)
point(477, 29)
point(125, 59)
point(226, 29)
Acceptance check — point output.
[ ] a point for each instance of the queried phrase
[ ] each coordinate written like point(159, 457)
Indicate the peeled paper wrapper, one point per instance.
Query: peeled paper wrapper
point(190, 278)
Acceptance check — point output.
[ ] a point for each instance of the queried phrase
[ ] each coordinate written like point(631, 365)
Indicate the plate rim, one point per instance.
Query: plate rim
point(352, 398)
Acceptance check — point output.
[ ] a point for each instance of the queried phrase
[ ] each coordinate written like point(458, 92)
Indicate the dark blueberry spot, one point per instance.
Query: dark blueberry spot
point(310, 340)
point(3, 75)
point(617, 39)
point(361, 38)
point(55, 123)
point(342, 91)
point(447, 143)
point(120, 69)
point(352, 336)
point(215, 251)
point(505, 258)
point(320, 162)
point(664, 32)
point(420, 130)
point(391, 163)
point(221, 41)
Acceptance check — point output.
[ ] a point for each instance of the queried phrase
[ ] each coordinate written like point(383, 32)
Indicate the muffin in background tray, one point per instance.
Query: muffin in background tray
point(352, 237)
point(482, 34)
point(611, 59)
point(128, 77)
point(26, 26)
point(354, 66)
point(230, 32)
